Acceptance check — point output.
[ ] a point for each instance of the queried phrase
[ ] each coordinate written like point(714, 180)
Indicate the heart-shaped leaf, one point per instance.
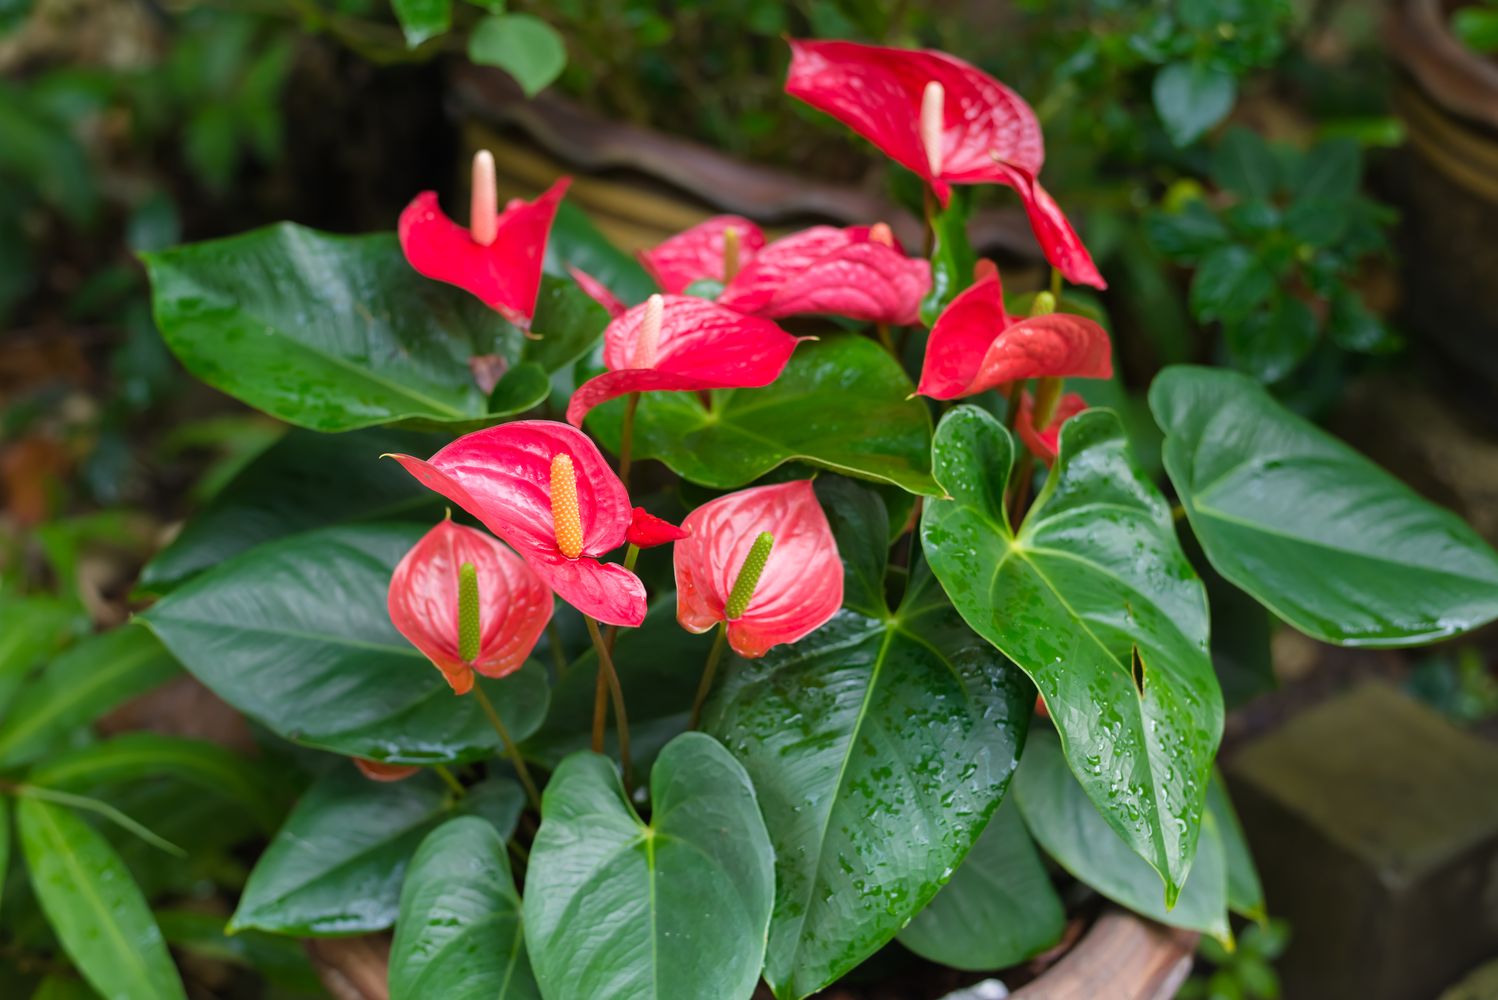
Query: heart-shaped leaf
point(998, 910)
point(1094, 599)
point(339, 332)
point(617, 909)
point(879, 746)
point(336, 865)
point(840, 404)
point(306, 480)
point(458, 935)
point(295, 634)
point(1069, 827)
point(1317, 533)
point(94, 906)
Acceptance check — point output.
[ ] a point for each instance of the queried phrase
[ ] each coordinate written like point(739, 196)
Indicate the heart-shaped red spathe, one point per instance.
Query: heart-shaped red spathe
point(802, 583)
point(701, 346)
point(514, 603)
point(1046, 441)
point(646, 531)
point(502, 476)
point(840, 272)
point(506, 274)
point(989, 135)
point(377, 771)
point(976, 345)
point(698, 254)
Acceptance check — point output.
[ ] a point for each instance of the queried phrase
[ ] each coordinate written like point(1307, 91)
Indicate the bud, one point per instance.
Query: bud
point(730, 253)
point(1044, 304)
point(566, 516)
point(483, 217)
point(748, 578)
point(933, 121)
point(648, 339)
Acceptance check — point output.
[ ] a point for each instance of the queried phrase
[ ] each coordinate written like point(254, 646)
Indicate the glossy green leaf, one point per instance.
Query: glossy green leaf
point(1245, 893)
point(952, 256)
point(133, 756)
point(1186, 233)
point(522, 45)
point(998, 910)
point(62, 986)
point(617, 909)
point(4, 843)
point(840, 404)
point(336, 865)
point(1317, 533)
point(1094, 599)
point(879, 746)
point(1230, 283)
point(422, 19)
point(1243, 163)
point(306, 480)
point(1191, 97)
point(335, 333)
point(281, 961)
point(659, 664)
point(94, 906)
point(30, 629)
point(459, 935)
point(89, 679)
point(576, 242)
point(1272, 342)
point(1064, 822)
point(295, 634)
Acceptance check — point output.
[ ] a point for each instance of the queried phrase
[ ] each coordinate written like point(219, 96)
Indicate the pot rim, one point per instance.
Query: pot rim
point(1418, 36)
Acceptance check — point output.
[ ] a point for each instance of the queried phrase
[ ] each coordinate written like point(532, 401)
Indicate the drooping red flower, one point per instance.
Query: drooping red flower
point(843, 272)
point(376, 771)
point(945, 120)
point(546, 489)
point(976, 345)
point(497, 257)
point(1044, 442)
point(598, 292)
point(706, 252)
point(513, 604)
point(646, 531)
point(787, 586)
point(678, 342)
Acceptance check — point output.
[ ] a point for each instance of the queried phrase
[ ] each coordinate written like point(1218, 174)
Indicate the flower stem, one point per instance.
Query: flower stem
point(709, 671)
point(627, 437)
point(887, 340)
point(1016, 393)
point(1056, 283)
point(611, 677)
point(521, 771)
point(449, 780)
point(558, 654)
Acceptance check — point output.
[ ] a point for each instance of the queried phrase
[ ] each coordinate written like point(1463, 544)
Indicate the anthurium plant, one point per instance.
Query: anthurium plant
point(730, 613)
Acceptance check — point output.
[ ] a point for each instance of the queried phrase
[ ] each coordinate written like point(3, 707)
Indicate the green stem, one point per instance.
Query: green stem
point(1016, 393)
point(887, 340)
point(709, 671)
point(627, 437)
point(611, 677)
point(1056, 284)
point(558, 654)
point(513, 751)
point(631, 554)
point(449, 780)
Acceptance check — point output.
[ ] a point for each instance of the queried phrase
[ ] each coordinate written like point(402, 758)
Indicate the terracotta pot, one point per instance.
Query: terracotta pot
point(1122, 957)
point(641, 186)
point(1447, 97)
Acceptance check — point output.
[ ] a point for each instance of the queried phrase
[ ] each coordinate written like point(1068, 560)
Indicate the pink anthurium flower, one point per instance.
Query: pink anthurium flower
point(646, 531)
point(678, 342)
point(945, 120)
point(858, 272)
point(492, 628)
point(545, 488)
point(713, 250)
point(976, 345)
point(762, 560)
point(497, 257)
point(376, 771)
point(1044, 442)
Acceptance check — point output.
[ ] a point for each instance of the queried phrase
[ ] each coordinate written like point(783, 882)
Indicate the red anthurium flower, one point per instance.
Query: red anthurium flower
point(598, 292)
point(856, 272)
point(679, 342)
point(507, 604)
point(1044, 442)
point(646, 531)
point(376, 771)
point(713, 250)
point(975, 345)
point(762, 560)
point(945, 120)
point(546, 489)
point(497, 257)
